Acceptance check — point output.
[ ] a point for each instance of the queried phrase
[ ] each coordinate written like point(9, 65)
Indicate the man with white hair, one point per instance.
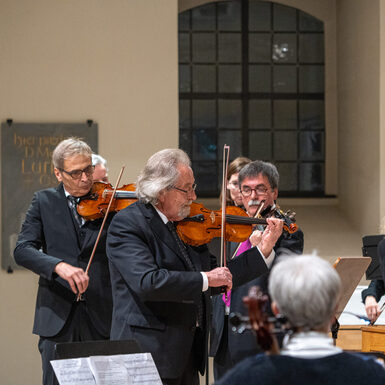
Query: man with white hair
point(161, 286)
point(100, 168)
point(306, 290)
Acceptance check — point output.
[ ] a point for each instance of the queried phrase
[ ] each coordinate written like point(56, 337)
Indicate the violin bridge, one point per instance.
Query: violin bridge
point(212, 217)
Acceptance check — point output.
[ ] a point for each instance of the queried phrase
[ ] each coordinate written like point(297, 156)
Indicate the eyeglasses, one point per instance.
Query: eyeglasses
point(77, 174)
point(189, 191)
point(246, 191)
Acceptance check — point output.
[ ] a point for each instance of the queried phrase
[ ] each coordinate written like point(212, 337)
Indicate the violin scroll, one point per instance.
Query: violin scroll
point(288, 218)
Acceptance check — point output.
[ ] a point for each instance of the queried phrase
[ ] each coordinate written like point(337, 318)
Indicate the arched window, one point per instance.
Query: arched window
point(251, 75)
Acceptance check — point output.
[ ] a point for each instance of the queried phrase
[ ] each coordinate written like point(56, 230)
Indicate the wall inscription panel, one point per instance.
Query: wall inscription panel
point(26, 167)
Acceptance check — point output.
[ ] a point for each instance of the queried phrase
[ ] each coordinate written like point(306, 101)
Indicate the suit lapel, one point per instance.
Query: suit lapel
point(195, 258)
point(89, 236)
point(62, 213)
point(161, 230)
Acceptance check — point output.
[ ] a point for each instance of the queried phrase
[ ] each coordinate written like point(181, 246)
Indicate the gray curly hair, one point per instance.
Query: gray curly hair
point(160, 173)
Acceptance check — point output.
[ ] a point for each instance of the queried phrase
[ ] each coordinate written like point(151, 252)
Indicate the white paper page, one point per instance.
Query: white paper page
point(141, 368)
point(109, 370)
point(356, 306)
point(75, 371)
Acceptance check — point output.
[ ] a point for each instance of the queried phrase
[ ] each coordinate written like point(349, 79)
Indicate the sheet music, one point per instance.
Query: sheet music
point(141, 368)
point(74, 371)
point(121, 369)
point(109, 370)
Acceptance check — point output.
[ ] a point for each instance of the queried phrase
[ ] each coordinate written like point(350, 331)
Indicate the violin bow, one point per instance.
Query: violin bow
point(79, 297)
point(226, 154)
point(255, 216)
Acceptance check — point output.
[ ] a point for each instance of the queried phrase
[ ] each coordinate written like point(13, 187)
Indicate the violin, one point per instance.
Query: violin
point(94, 205)
point(288, 218)
point(199, 228)
point(203, 225)
point(266, 328)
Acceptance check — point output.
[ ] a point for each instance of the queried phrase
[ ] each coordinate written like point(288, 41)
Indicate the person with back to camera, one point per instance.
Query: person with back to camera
point(306, 291)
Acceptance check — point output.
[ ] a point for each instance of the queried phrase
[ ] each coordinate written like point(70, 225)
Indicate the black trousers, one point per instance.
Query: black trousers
point(222, 360)
point(190, 374)
point(78, 327)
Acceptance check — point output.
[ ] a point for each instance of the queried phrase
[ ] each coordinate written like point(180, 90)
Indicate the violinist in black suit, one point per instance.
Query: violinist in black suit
point(56, 244)
point(160, 285)
point(258, 185)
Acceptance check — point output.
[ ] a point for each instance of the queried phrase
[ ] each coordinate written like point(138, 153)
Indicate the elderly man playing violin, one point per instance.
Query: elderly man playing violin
point(160, 285)
point(258, 184)
point(56, 244)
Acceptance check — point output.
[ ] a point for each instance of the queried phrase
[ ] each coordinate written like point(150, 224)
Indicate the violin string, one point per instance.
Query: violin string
point(122, 194)
point(244, 220)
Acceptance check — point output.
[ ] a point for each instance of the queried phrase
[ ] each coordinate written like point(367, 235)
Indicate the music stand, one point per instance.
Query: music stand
point(350, 270)
point(95, 348)
point(369, 248)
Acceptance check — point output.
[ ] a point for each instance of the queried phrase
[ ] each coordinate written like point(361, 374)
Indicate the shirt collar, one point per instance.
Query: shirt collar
point(162, 216)
point(309, 345)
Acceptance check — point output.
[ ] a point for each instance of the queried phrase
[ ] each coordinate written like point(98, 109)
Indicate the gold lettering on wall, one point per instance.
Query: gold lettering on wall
point(36, 154)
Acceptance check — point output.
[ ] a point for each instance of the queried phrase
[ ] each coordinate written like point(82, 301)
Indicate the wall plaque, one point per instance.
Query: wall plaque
point(26, 167)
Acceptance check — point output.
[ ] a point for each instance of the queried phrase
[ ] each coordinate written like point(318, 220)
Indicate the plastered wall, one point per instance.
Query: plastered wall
point(359, 128)
point(116, 62)
point(67, 61)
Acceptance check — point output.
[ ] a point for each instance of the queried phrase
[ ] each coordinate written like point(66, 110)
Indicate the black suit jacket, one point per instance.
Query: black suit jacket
point(155, 294)
point(244, 345)
point(48, 236)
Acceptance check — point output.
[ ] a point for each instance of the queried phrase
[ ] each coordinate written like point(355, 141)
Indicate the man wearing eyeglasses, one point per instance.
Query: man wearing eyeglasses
point(56, 243)
point(258, 184)
point(160, 285)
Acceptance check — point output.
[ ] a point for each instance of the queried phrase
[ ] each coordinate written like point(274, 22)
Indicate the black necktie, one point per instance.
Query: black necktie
point(186, 257)
point(181, 246)
point(73, 202)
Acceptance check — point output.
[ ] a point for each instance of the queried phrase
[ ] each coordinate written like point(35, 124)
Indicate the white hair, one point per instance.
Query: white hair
point(306, 290)
point(160, 173)
point(98, 159)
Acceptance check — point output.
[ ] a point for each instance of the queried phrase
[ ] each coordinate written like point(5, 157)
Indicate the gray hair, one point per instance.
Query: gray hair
point(257, 167)
point(68, 148)
point(306, 290)
point(160, 173)
point(98, 159)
